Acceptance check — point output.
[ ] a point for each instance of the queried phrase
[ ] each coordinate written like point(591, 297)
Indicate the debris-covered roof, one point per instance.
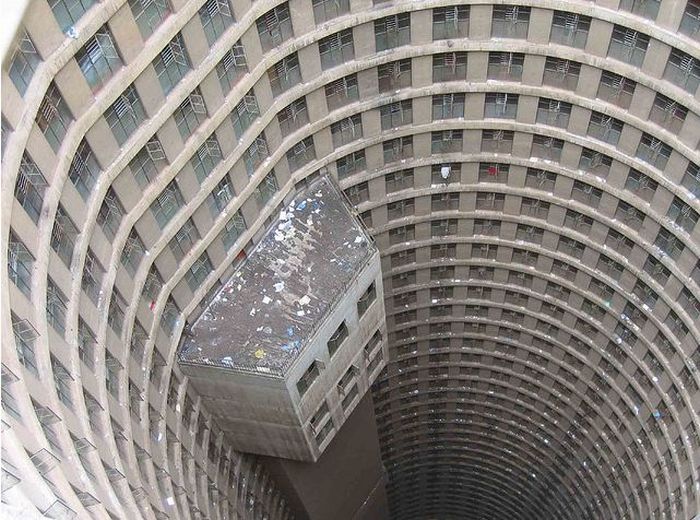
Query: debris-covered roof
point(263, 316)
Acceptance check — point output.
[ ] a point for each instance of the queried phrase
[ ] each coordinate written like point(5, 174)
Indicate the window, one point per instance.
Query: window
point(98, 59)
point(125, 115)
point(594, 162)
point(450, 22)
point(628, 45)
point(570, 29)
point(445, 173)
point(216, 17)
point(547, 148)
point(244, 114)
point(115, 316)
point(392, 31)
point(352, 163)
point(172, 64)
point(56, 307)
point(493, 172)
point(656, 270)
point(619, 242)
point(641, 185)
point(616, 89)
point(586, 194)
point(149, 14)
point(497, 141)
point(448, 106)
point(502, 106)
point(325, 10)
point(444, 202)
point(232, 67)
point(266, 189)
point(170, 318)
point(205, 159)
point(336, 340)
point(540, 179)
point(148, 162)
point(275, 27)
point(446, 141)
point(490, 201)
point(341, 92)
point(93, 273)
point(62, 379)
point(610, 267)
point(570, 247)
point(153, 283)
point(645, 8)
point(683, 215)
point(284, 74)
point(399, 180)
point(336, 49)
point(400, 209)
point(691, 179)
point(451, 66)
point(578, 221)
point(20, 264)
point(68, 12)
point(324, 431)
point(255, 154)
point(53, 117)
point(535, 208)
point(25, 336)
point(553, 112)
point(24, 63)
point(442, 228)
point(510, 21)
point(690, 24)
point(668, 114)
point(133, 252)
point(197, 274)
point(63, 236)
point(190, 114)
point(394, 75)
point(293, 116)
point(219, 198)
point(505, 66)
point(561, 73)
point(30, 188)
point(604, 128)
point(653, 151)
point(358, 193)
point(309, 377)
point(402, 234)
point(167, 204)
point(84, 170)
point(366, 299)
point(397, 149)
point(346, 130)
point(302, 153)
point(396, 114)
point(233, 229)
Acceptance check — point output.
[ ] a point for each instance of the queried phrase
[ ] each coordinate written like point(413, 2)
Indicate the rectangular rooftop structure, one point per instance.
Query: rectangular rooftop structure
point(295, 337)
point(266, 313)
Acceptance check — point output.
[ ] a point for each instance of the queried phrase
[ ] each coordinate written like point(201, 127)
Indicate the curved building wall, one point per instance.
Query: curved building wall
point(530, 176)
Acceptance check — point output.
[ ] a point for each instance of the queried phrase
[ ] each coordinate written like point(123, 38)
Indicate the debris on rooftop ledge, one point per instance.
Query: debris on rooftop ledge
point(263, 316)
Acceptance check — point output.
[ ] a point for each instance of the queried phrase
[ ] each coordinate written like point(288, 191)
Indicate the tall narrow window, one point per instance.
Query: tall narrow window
point(683, 70)
point(233, 229)
point(133, 252)
point(284, 74)
point(255, 154)
point(275, 27)
point(570, 29)
point(63, 236)
point(336, 49)
point(110, 215)
point(25, 337)
point(30, 187)
point(149, 14)
point(197, 274)
point(117, 310)
point(184, 239)
point(148, 162)
point(205, 159)
point(125, 115)
point(341, 92)
point(301, 153)
point(98, 59)
point(62, 381)
point(691, 179)
point(337, 338)
point(84, 170)
point(20, 264)
point(244, 114)
point(93, 273)
point(325, 10)
point(56, 307)
point(510, 21)
point(392, 31)
point(172, 64)
point(266, 189)
point(216, 17)
point(450, 22)
point(53, 117)
point(68, 12)
point(167, 204)
point(628, 45)
point(190, 114)
point(23, 63)
point(293, 116)
point(220, 197)
point(232, 67)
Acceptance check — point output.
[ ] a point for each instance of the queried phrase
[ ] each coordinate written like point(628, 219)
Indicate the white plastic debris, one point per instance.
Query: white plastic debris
point(304, 300)
point(266, 300)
